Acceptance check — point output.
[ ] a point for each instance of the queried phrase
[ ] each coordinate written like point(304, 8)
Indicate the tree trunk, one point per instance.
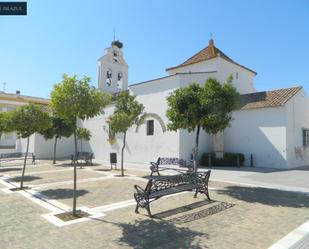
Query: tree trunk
point(24, 168)
point(74, 180)
point(55, 150)
point(123, 146)
point(196, 148)
point(209, 160)
point(81, 145)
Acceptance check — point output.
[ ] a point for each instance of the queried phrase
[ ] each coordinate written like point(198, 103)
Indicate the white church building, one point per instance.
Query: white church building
point(272, 126)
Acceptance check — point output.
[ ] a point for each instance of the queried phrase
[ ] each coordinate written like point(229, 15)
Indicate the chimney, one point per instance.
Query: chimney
point(17, 93)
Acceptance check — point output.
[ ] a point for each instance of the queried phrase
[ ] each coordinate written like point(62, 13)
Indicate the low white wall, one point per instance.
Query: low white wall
point(187, 143)
point(21, 144)
point(44, 149)
point(260, 132)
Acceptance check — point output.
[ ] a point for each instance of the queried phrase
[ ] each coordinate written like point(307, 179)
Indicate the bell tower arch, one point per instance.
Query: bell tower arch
point(113, 70)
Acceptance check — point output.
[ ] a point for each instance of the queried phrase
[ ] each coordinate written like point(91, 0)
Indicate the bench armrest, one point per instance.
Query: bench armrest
point(139, 190)
point(153, 166)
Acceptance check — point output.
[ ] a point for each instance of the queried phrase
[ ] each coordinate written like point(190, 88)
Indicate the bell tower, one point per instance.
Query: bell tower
point(113, 70)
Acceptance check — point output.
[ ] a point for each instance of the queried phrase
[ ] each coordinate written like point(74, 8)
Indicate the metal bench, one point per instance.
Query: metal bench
point(167, 185)
point(7, 157)
point(155, 166)
point(82, 156)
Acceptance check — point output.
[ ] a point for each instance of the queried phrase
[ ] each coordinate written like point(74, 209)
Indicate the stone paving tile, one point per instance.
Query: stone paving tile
point(259, 218)
point(40, 166)
point(246, 225)
point(97, 193)
point(118, 171)
point(52, 177)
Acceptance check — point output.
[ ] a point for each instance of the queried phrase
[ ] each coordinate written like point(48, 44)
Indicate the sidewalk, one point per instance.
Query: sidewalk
point(289, 180)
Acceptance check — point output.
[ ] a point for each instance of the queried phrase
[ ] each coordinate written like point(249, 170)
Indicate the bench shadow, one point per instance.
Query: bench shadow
point(104, 170)
point(182, 209)
point(27, 178)
point(271, 197)
point(159, 234)
point(63, 193)
point(109, 170)
point(154, 176)
point(78, 165)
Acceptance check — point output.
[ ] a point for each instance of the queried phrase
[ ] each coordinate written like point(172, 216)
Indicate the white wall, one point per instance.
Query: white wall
point(222, 70)
point(203, 66)
point(200, 78)
point(260, 132)
point(187, 143)
point(297, 118)
point(244, 82)
point(21, 144)
point(44, 149)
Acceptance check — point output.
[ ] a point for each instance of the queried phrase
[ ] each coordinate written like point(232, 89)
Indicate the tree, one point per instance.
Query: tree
point(208, 107)
point(82, 134)
point(59, 128)
point(128, 111)
point(74, 99)
point(5, 124)
point(27, 120)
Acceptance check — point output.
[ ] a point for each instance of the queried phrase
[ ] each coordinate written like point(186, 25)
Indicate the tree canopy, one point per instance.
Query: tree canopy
point(5, 123)
point(208, 107)
point(73, 98)
point(128, 111)
point(29, 119)
point(83, 133)
point(59, 128)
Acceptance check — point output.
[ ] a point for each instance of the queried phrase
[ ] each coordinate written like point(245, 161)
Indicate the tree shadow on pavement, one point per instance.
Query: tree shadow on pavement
point(63, 193)
point(266, 196)
point(159, 234)
point(10, 169)
point(28, 178)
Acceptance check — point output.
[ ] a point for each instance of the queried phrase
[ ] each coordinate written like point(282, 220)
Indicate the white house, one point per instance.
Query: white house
point(271, 126)
point(42, 148)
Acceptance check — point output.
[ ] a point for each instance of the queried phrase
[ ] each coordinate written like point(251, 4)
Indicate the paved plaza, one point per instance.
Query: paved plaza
point(238, 216)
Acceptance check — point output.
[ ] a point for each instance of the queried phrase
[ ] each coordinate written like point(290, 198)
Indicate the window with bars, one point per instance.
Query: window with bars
point(150, 127)
point(305, 137)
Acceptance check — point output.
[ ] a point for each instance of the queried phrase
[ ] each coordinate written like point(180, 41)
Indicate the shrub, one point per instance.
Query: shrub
point(229, 159)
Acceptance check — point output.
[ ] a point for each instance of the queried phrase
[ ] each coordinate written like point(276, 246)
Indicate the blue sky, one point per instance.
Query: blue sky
point(64, 36)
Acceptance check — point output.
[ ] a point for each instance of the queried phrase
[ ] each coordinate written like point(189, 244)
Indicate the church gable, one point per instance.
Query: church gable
point(208, 53)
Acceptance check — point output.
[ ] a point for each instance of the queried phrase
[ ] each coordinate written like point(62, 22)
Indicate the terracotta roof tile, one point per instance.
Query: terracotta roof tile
point(265, 99)
point(206, 54)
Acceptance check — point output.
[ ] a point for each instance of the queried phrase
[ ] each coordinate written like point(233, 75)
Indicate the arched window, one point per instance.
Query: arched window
point(108, 80)
point(119, 80)
point(115, 56)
